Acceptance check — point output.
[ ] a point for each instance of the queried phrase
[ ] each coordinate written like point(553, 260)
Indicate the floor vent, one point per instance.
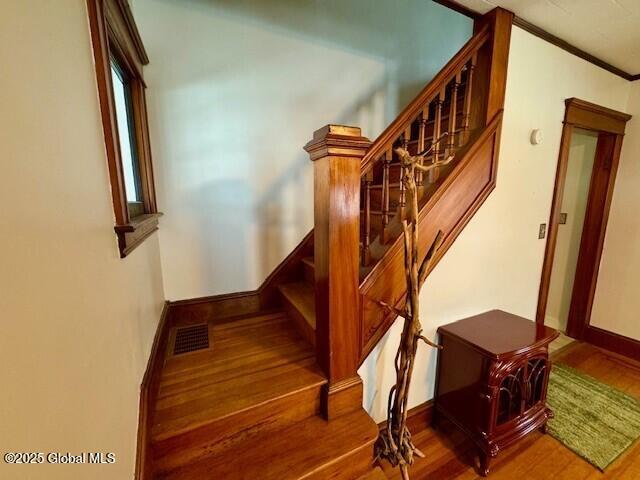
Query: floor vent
point(191, 339)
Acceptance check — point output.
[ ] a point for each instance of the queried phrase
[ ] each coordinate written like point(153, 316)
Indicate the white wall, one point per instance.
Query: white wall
point(582, 151)
point(77, 322)
point(497, 260)
point(616, 306)
point(235, 91)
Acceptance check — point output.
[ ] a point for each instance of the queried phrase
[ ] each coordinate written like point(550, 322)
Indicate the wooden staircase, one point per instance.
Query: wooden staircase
point(276, 393)
point(248, 407)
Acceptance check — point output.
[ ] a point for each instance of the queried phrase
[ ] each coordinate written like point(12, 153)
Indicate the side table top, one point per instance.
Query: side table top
point(497, 333)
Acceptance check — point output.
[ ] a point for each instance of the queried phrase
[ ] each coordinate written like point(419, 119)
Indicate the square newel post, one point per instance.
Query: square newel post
point(336, 152)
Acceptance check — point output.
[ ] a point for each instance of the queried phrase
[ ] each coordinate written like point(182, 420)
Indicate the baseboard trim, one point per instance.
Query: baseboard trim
point(612, 341)
point(202, 309)
point(198, 310)
point(419, 418)
point(148, 394)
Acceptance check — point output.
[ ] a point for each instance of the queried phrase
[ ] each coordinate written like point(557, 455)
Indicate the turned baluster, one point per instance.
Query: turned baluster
point(422, 132)
point(466, 113)
point(453, 107)
point(439, 101)
point(406, 137)
point(366, 241)
point(386, 164)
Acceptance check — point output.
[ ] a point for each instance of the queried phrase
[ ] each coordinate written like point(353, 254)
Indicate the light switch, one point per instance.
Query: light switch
point(543, 231)
point(563, 219)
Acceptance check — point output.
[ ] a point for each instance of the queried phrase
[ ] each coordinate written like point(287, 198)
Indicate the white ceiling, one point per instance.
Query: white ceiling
point(607, 29)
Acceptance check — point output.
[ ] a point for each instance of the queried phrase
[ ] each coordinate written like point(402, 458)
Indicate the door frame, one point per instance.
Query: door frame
point(610, 126)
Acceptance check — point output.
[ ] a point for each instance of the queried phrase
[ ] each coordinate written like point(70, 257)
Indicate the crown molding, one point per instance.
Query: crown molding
point(544, 35)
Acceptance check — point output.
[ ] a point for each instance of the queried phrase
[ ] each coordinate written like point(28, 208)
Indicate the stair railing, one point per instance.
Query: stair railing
point(445, 106)
point(464, 101)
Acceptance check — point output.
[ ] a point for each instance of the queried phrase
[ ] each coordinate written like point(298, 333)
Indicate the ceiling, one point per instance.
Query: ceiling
point(606, 29)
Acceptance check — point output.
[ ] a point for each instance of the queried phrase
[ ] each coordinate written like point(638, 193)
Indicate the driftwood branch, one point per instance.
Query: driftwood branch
point(394, 443)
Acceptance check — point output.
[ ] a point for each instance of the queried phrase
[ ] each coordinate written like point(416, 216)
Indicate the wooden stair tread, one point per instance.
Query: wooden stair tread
point(295, 452)
point(375, 474)
point(302, 296)
point(249, 364)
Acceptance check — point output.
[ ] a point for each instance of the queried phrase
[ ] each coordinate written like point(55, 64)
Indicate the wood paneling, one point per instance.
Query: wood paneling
point(462, 186)
point(449, 210)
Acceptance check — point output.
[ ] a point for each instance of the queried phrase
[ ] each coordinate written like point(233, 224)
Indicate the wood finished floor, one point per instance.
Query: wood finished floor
point(251, 361)
point(538, 456)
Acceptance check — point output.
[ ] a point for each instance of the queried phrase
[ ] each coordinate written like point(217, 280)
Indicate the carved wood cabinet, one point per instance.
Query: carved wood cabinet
point(492, 379)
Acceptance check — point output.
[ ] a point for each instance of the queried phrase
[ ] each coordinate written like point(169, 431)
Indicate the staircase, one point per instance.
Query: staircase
point(274, 393)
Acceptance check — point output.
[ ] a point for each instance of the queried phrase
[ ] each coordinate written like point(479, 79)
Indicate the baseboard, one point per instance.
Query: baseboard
point(220, 307)
point(612, 341)
point(148, 394)
point(199, 310)
point(419, 418)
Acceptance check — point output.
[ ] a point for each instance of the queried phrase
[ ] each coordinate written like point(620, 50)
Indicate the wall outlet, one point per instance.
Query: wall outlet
point(543, 231)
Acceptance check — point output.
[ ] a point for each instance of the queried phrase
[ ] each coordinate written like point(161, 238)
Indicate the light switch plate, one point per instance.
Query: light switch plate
point(563, 219)
point(543, 231)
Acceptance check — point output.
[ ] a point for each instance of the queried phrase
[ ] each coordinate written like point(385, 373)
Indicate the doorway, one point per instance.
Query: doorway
point(585, 178)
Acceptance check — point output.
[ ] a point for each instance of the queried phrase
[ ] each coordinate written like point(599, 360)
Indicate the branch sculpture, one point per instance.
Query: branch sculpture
point(394, 443)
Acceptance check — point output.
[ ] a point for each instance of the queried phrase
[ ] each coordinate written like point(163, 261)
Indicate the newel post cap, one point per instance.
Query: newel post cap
point(339, 141)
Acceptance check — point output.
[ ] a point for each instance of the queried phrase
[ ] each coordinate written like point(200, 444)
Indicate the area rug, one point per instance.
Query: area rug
point(594, 420)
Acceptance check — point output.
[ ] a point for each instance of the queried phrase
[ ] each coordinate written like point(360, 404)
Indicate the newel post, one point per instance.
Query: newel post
point(336, 152)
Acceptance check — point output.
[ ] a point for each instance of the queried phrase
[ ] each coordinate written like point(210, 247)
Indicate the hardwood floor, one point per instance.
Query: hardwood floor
point(538, 456)
point(248, 408)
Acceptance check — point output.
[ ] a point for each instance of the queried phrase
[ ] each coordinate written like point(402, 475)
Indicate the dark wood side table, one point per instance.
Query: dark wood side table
point(492, 379)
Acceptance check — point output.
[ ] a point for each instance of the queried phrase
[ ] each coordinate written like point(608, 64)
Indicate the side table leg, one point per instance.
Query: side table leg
point(484, 463)
point(544, 428)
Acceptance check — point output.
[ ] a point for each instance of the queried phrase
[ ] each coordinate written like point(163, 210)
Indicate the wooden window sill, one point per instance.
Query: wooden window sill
point(135, 232)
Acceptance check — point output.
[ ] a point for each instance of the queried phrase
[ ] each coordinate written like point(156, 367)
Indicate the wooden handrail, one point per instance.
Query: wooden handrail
point(431, 90)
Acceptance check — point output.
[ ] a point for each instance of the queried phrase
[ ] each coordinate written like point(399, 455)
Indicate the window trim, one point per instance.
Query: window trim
point(114, 35)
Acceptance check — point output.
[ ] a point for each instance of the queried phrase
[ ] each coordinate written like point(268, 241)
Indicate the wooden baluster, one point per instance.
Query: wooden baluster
point(433, 174)
point(422, 126)
point(366, 241)
point(466, 114)
point(386, 163)
point(453, 111)
point(406, 137)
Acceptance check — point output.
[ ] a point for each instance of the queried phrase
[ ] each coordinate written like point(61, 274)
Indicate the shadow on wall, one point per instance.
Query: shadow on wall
point(236, 89)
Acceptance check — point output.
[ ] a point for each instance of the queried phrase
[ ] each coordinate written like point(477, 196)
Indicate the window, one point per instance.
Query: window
point(126, 136)
point(120, 58)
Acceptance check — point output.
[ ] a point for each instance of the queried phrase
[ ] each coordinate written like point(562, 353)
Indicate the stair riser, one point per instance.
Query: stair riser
point(309, 273)
point(301, 324)
point(350, 466)
point(234, 428)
